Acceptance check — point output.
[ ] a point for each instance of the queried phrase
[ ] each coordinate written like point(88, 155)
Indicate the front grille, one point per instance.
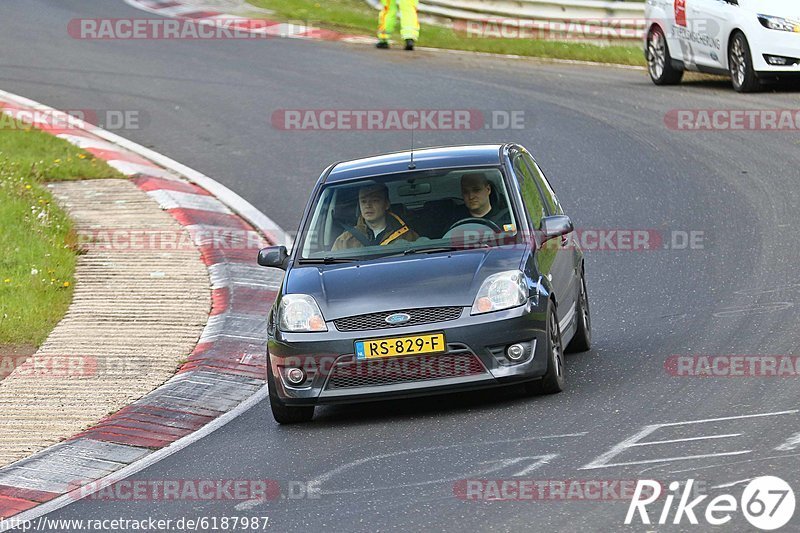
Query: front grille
point(378, 320)
point(408, 369)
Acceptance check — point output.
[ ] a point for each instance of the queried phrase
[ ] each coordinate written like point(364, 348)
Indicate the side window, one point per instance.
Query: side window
point(530, 192)
point(319, 228)
point(550, 199)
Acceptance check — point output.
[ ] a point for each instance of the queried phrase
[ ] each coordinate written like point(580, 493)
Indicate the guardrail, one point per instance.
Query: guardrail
point(590, 20)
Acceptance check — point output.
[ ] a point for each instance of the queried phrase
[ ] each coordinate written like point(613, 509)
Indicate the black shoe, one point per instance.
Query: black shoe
point(382, 44)
point(409, 44)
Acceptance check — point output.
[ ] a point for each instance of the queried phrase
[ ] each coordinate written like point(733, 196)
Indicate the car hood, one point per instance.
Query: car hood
point(776, 8)
point(398, 283)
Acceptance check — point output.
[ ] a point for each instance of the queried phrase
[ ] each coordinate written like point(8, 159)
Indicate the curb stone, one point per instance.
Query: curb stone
point(226, 368)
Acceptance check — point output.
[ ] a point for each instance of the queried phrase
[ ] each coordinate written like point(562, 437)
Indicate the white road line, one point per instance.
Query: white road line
point(538, 460)
point(731, 484)
point(602, 461)
point(542, 460)
point(760, 415)
point(668, 459)
point(672, 441)
point(791, 443)
point(707, 467)
point(499, 464)
point(331, 473)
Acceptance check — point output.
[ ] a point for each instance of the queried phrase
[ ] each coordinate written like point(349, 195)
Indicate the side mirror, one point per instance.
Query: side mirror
point(274, 256)
point(556, 226)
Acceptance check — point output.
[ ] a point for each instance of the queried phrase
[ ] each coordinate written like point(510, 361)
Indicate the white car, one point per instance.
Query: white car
point(749, 40)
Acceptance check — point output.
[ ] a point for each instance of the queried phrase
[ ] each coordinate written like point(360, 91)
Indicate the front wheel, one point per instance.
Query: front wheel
point(553, 381)
point(740, 63)
point(659, 61)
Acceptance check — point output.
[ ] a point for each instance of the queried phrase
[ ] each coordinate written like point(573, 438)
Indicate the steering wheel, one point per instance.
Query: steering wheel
point(475, 220)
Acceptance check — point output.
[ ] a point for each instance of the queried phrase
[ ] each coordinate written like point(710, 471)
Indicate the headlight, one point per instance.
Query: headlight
point(300, 312)
point(778, 23)
point(503, 290)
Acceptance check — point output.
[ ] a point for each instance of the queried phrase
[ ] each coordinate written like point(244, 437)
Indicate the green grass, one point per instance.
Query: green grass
point(356, 17)
point(37, 243)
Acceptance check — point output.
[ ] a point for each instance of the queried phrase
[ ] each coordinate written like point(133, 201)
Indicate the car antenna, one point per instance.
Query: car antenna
point(411, 165)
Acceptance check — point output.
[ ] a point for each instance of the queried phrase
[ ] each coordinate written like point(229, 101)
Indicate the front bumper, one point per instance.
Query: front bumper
point(776, 43)
point(474, 359)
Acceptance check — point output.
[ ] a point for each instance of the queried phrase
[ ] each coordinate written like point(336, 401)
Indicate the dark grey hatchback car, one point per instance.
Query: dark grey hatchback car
point(448, 269)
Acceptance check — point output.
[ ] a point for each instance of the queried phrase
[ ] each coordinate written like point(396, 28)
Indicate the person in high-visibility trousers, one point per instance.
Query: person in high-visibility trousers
point(409, 22)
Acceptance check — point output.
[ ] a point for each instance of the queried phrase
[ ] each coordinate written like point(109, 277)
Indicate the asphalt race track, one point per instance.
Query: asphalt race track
point(601, 135)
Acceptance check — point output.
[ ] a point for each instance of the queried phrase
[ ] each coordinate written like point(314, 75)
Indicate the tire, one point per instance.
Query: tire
point(659, 60)
point(582, 341)
point(553, 381)
point(285, 414)
point(740, 65)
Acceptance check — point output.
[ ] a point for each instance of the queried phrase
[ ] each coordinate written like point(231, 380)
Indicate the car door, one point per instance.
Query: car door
point(674, 20)
point(709, 22)
point(563, 268)
point(676, 25)
point(555, 257)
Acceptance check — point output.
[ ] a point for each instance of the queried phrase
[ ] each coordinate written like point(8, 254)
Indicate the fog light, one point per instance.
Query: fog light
point(515, 352)
point(295, 376)
point(781, 61)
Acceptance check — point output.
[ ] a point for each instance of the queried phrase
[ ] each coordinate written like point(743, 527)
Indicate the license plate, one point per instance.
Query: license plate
point(394, 346)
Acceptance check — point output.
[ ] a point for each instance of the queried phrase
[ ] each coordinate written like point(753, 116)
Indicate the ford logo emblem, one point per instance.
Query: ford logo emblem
point(398, 318)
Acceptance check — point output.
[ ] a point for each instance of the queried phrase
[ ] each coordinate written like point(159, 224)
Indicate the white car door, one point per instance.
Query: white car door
point(710, 22)
point(674, 23)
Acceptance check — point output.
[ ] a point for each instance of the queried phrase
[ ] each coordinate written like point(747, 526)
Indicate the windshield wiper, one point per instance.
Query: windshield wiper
point(326, 261)
point(437, 249)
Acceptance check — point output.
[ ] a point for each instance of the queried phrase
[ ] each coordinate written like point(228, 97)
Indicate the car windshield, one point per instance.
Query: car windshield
point(416, 212)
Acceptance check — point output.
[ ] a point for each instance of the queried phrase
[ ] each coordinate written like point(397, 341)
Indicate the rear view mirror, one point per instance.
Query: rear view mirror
point(556, 226)
point(274, 256)
point(414, 189)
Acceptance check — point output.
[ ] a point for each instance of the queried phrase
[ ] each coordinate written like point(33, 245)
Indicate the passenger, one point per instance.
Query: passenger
point(377, 225)
point(476, 190)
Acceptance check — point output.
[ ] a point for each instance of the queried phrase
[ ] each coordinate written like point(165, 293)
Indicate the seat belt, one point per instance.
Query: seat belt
point(360, 237)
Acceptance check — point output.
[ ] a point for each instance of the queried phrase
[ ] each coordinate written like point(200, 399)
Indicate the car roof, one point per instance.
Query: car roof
point(424, 159)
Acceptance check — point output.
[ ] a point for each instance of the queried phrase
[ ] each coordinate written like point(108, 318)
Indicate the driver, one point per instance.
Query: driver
point(377, 225)
point(476, 191)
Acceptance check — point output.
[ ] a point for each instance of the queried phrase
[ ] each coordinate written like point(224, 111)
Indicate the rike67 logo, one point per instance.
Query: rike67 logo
point(767, 502)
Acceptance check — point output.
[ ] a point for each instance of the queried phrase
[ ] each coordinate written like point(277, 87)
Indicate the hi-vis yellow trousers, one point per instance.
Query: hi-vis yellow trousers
point(409, 22)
